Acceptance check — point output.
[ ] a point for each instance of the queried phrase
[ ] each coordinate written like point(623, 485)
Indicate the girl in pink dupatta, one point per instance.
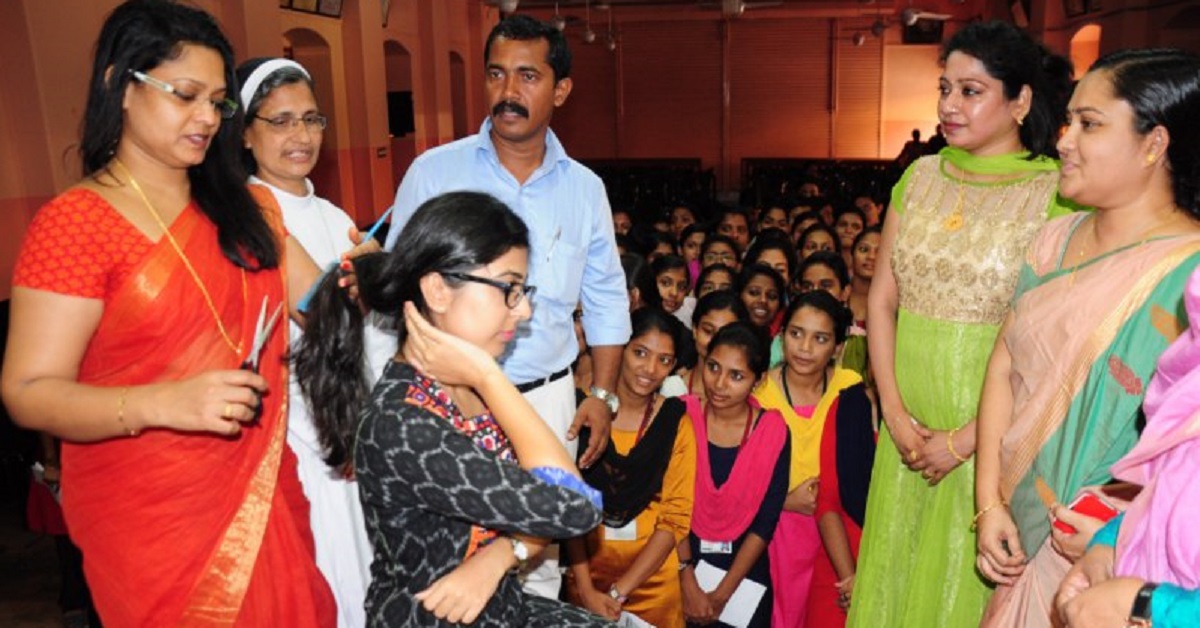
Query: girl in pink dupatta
point(742, 456)
point(1144, 566)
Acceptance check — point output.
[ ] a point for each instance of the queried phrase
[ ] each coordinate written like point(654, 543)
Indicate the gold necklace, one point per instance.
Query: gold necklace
point(235, 347)
point(954, 221)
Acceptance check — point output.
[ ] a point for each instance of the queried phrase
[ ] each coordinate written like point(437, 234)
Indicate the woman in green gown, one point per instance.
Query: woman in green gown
point(959, 224)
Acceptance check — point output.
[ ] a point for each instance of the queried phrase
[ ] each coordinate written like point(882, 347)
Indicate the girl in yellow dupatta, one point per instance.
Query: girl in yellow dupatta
point(802, 389)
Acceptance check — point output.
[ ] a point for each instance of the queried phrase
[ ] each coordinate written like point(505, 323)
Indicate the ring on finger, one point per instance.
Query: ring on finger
point(228, 411)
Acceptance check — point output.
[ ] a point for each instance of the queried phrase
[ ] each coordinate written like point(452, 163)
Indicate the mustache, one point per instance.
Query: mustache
point(509, 106)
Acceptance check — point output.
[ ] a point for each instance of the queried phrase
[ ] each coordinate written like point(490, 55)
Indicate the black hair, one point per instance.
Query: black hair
point(139, 35)
point(833, 261)
point(1012, 57)
point(772, 206)
point(750, 339)
point(627, 243)
point(820, 300)
point(638, 275)
point(731, 211)
point(851, 210)
point(709, 270)
point(719, 300)
point(283, 76)
point(772, 240)
point(715, 238)
point(454, 232)
point(654, 238)
point(1162, 86)
point(691, 230)
point(808, 214)
point(669, 262)
point(683, 205)
point(647, 319)
point(819, 226)
point(525, 28)
point(876, 229)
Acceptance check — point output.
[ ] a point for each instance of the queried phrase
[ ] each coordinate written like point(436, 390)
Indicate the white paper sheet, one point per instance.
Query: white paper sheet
point(629, 620)
point(744, 601)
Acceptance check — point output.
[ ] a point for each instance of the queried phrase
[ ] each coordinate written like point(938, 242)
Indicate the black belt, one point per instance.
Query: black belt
point(538, 383)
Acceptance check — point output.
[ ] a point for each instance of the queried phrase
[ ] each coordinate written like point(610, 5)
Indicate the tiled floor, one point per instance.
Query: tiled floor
point(28, 574)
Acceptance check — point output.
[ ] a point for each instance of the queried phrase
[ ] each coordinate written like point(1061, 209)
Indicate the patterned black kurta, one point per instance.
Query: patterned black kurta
point(431, 495)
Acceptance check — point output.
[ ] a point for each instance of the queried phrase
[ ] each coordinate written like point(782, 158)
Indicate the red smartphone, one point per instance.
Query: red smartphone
point(1089, 504)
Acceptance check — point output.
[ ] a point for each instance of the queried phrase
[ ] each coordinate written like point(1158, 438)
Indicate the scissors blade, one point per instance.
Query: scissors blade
point(265, 332)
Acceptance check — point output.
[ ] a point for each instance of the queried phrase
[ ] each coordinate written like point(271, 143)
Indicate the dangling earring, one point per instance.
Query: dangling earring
point(1021, 121)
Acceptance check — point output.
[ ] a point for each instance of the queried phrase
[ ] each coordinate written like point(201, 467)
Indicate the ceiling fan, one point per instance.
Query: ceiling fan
point(911, 16)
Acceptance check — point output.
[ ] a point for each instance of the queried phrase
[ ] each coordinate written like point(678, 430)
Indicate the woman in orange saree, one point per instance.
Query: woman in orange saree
point(137, 297)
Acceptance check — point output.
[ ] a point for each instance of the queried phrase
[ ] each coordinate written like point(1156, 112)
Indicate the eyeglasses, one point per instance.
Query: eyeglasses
point(286, 124)
point(226, 107)
point(513, 292)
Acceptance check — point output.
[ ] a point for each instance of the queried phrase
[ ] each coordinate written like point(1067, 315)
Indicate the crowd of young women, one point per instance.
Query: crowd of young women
point(802, 403)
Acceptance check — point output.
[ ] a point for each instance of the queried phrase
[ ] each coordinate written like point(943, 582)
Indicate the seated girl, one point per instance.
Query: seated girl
point(460, 479)
point(646, 474)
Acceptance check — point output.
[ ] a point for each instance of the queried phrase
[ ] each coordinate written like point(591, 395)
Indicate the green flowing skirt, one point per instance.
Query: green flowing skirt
point(916, 565)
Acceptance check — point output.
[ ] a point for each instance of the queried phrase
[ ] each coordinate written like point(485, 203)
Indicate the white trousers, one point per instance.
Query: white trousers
point(555, 403)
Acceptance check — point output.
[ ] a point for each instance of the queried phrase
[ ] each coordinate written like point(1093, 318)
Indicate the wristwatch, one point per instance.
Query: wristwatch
point(1140, 614)
point(615, 594)
point(608, 398)
point(520, 552)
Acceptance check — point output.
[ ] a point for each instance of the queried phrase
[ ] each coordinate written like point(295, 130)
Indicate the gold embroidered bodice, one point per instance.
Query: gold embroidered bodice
point(961, 244)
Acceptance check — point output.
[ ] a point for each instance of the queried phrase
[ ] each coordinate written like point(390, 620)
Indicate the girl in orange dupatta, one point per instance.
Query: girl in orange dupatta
point(130, 341)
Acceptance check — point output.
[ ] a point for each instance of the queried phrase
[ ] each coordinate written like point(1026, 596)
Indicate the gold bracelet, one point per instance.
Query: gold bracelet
point(975, 519)
point(121, 413)
point(950, 445)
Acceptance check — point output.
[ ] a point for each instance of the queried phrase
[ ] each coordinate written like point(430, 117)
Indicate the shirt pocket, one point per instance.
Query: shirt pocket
point(561, 275)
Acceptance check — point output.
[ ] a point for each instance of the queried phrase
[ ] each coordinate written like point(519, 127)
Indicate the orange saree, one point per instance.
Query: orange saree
point(186, 529)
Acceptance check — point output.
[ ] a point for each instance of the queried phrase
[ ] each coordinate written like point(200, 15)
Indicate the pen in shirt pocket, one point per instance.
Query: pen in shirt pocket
point(553, 244)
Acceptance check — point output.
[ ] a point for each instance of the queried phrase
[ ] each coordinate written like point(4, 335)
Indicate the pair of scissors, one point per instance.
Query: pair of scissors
point(262, 332)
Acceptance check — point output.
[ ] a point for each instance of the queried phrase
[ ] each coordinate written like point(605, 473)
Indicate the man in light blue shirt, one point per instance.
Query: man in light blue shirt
point(573, 257)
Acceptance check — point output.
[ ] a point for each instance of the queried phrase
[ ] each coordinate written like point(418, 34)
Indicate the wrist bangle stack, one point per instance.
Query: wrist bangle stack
point(975, 519)
point(950, 445)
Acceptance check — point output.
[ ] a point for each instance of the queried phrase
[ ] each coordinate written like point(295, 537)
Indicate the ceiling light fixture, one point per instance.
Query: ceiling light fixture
point(589, 35)
point(558, 21)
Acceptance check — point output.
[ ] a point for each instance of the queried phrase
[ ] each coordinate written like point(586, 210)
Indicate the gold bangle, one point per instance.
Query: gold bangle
point(950, 445)
point(121, 413)
point(975, 519)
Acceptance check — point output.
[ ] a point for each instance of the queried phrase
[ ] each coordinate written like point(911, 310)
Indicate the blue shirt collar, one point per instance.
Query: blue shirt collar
point(554, 149)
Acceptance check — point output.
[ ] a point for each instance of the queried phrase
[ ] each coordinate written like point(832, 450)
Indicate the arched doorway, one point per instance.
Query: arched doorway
point(310, 50)
point(401, 107)
point(458, 95)
point(1085, 48)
